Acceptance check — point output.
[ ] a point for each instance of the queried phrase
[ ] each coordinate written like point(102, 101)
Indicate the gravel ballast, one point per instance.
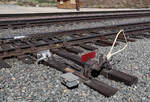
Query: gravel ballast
point(31, 83)
point(69, 26)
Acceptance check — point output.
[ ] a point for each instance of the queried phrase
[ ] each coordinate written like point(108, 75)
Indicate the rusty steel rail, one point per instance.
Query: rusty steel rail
point(88, 30)
point(4, 24)
point(84, 30)
point(27, 47)
point(20, 46)
point(28, 15)
point(64, 44)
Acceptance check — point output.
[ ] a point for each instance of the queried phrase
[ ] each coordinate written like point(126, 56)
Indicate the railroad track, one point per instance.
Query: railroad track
point(29, 20)
point(65, 44)
point(95, 30)
point(35, 15)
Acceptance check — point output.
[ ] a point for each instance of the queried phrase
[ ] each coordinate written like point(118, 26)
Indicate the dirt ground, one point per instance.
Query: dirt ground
point(86, 3)
point(11, 9)
point(117, 3)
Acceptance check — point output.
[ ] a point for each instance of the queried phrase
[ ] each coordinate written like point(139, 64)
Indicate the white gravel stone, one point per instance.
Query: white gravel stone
point(42, 84)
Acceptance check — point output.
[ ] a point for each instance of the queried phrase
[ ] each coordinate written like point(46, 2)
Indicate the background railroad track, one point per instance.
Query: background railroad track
point(83, 38)
point(22, 20)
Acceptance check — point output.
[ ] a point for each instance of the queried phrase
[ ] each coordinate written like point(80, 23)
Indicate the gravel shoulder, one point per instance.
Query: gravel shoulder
point(31, 83)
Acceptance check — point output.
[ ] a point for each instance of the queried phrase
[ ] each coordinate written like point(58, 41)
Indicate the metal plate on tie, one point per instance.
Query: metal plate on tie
point(19, 37)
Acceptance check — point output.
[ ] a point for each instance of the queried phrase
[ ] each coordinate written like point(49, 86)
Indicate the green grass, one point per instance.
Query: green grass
point(44, 1)
point(37, 2)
